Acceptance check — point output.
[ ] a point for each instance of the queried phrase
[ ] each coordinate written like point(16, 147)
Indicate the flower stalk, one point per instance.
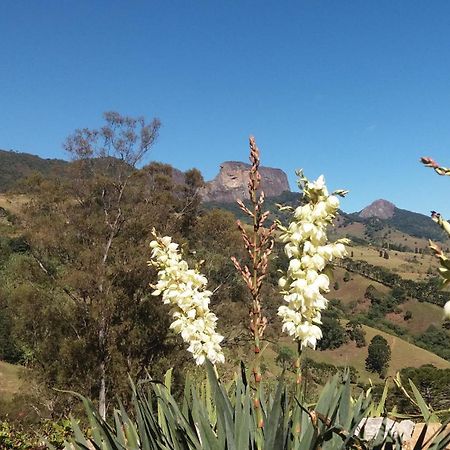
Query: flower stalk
point(184, 290)
point(259, 245)
point(307, 247)
point(302, 286)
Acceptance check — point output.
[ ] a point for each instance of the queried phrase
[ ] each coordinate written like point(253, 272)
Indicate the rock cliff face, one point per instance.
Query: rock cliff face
point(231, 182)
point(379, 208)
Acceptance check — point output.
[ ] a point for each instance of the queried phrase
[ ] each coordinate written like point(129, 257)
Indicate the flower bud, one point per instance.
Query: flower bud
point(332, 203)
point(294, 265)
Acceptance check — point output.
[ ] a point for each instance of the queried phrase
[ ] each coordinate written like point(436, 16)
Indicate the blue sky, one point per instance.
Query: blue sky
point(355, 90)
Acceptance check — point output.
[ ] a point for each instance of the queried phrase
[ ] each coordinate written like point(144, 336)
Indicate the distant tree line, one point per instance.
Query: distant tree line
point(424, 291)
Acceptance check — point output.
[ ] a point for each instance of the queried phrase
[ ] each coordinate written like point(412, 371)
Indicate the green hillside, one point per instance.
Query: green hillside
point(407, 222)
point(403, 355)
point(14, 166)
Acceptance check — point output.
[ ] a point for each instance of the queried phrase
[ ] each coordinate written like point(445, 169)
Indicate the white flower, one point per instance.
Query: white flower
point(447, 310)
point(332, 203)
point(184, 289)
point(307, 247)
point(318, 185)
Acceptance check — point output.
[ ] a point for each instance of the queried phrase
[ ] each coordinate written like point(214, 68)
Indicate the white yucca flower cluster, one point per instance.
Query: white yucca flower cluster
point(307, 247)
point(184, 289)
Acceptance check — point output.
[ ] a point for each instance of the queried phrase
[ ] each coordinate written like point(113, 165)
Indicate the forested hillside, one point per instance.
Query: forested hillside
point(15, 165)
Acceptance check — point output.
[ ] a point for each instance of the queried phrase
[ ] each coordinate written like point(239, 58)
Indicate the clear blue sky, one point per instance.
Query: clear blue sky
point(357, 90)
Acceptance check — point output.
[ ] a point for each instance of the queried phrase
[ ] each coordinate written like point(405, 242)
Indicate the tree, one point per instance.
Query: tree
point(379, 355)
point(193, 182)
point(435, 340)
point(285, 358)
point(94, 228)
point(399, 294)
point(408, 315)
point(333, 334)
point(433, 384)
point(356, 333)
point(215, 244)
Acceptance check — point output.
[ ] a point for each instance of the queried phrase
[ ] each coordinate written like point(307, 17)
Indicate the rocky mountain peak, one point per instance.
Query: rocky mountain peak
point(231, 182)
point(382, 209)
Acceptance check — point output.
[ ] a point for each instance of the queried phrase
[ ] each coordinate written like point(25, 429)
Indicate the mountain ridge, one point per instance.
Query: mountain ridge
point(231, 184)
point(16, 165)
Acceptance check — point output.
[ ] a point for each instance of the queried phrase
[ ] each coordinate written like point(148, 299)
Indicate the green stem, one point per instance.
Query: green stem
point(298, 390)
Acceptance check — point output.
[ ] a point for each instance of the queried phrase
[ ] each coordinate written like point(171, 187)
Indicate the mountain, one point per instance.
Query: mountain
point(382, 213)
point(14, 166)
point(379, 208)
point(231, 183)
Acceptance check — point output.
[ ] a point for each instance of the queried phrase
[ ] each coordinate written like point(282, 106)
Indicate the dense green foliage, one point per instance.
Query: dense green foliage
point(333, 332)
point(378, 355)
point(54, 433)
point(286, 357)
point(436, 340)
point(75, 305)
point(356, 333)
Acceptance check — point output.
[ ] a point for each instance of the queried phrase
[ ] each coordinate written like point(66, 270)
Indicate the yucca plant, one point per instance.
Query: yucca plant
point(221, 417)
point(247, 413)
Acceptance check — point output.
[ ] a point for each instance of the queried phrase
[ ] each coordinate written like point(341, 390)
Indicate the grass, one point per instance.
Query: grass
point(423, 315)
point(13, 202)
point(406, 264)
point(386, 234)
point(10, 381)
point(354, 289)
point(404, 354)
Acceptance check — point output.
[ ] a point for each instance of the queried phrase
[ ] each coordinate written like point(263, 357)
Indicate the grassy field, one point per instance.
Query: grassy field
point(12, 203)
point(10, 381)
point(403, 355)
point(354, 289)
point(406, 264)
point(423, 315)
point(386, 234)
